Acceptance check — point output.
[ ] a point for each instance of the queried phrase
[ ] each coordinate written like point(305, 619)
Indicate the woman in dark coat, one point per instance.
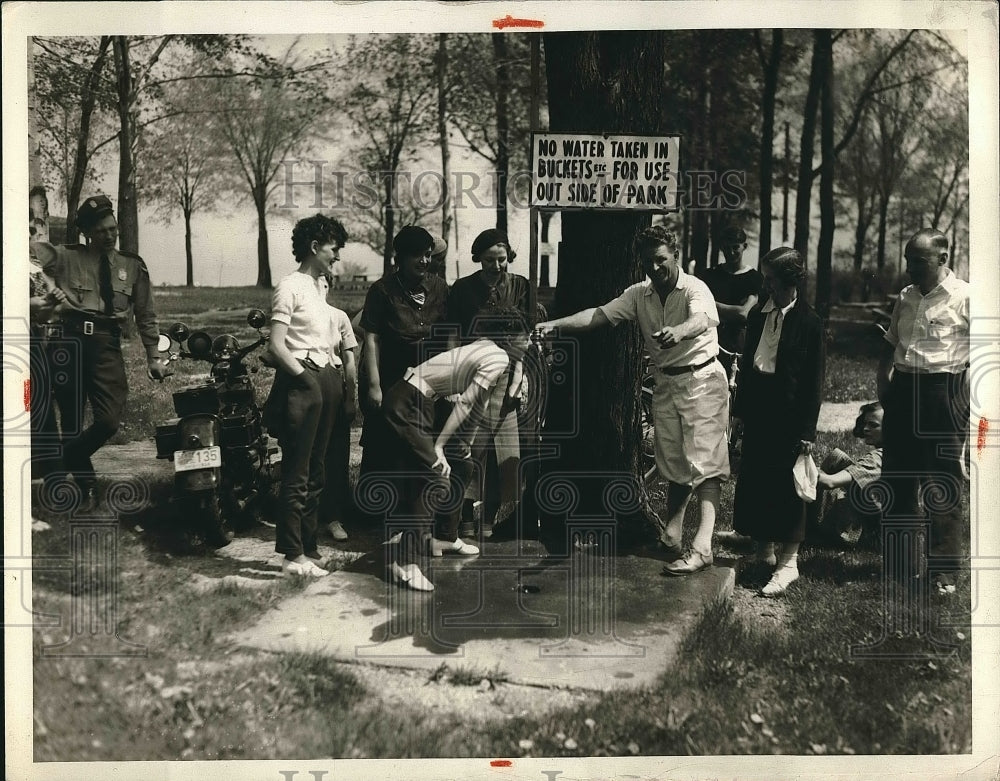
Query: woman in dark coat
point(778, 400)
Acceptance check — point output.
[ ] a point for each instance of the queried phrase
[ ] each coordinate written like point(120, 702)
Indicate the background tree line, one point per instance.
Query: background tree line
point(878, 119)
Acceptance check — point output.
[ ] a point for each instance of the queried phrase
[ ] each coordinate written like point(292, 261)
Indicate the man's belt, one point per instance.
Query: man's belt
point(90, 326)
point(414, 380)
point(675, 370)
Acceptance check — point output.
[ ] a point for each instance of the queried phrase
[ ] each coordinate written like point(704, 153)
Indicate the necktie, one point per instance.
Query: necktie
point(104, 280)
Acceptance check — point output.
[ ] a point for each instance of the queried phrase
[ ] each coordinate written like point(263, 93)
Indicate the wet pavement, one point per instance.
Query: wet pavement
point(587, 621)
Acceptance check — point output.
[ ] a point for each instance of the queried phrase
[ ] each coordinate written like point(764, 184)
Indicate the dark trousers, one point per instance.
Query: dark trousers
point(94, 371)
point(44, 430)
point(923, 435)
point(337, 500)
point(309, 403)
point(429, 500)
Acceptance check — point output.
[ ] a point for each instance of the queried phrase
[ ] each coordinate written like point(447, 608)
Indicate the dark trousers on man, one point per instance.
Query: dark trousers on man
point(923, 433)
point(308, 406)
point(94, 370)
point(337, 501)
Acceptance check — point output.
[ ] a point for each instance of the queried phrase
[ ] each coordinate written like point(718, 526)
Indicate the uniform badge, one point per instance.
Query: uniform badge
point(92, 203)
point(122, 275)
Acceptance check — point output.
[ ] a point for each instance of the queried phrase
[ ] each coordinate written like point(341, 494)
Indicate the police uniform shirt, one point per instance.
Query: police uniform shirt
point(690, 296)
point(931, 332)
point(76, 270)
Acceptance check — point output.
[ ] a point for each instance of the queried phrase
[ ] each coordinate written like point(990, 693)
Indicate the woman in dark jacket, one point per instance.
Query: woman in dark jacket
point(778, 400)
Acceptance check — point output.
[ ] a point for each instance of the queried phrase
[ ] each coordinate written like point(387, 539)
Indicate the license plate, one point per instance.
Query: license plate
point(203, 458)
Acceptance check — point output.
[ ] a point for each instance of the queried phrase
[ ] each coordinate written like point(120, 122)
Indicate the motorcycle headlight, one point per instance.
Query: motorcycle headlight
point(224, 347)
point(199, 344)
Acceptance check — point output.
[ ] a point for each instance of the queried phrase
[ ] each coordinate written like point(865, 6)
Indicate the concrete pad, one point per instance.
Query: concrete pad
point(587, 621)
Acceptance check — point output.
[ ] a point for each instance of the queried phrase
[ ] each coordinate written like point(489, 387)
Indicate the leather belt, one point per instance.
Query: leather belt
point(676, 370)
point(89, 327)
point(414, 380)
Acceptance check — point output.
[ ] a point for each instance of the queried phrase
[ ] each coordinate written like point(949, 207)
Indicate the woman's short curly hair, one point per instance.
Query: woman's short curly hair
point(318, 228)
point(787, 265)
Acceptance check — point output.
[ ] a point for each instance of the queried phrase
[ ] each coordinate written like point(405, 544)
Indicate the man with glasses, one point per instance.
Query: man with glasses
point(923, 384)
point(100, 285)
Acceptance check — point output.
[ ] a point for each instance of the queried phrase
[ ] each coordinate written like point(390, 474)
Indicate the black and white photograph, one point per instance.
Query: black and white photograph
point(560, 390)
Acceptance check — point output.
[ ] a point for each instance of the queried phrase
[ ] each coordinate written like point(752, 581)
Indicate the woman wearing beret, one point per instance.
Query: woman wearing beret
point(490, 290)
point(778, 400)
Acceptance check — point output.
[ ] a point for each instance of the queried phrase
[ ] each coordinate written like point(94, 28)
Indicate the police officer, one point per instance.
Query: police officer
point(100, 285)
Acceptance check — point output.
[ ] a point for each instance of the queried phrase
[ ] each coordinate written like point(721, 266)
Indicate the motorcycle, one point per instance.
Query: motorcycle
point(225, 466)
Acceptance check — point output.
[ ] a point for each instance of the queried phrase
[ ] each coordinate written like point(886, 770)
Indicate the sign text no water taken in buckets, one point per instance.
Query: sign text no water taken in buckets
point(578, 171)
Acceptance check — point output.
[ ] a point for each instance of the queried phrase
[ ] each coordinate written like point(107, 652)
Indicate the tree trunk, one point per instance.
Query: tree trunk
point(503, 126)
point(38, 201)
point(128, 211)
point(189, 256)
point(883, 228)
point(824, 251)
point(601, 83)
point(263, 251)
point(88, 100)
point(442, 123)
point(771, 68)
point(389, 183)
point(543, 261)
point(803, 193)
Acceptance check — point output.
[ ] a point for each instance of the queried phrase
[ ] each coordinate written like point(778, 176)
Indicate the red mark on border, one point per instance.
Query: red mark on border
point(984, 429)
point(510, 21)
point(501, 762)
point(27, 395)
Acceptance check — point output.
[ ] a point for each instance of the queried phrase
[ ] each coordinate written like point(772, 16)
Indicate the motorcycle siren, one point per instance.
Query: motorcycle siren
point(224, 347)
point(256, 318)
point(199, 344)
point(179, 332)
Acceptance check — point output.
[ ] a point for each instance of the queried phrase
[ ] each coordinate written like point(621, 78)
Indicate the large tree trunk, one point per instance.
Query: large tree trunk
point(389, 184)
point(602, 83)
point(38, 201)
point(128, 210)
point(442, 123)
point(771, 67)
point(503, 126)
point(88, 100)
point(883, 229)
point(263, 251)
point(189, 256)
point(824, 250)
point(803, 194)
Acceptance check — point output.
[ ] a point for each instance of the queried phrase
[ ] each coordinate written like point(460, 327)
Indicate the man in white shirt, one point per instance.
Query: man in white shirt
point(678, 317)
point(924, 387)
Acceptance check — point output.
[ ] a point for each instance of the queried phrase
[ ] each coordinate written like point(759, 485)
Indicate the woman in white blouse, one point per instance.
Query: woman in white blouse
point(778, 400)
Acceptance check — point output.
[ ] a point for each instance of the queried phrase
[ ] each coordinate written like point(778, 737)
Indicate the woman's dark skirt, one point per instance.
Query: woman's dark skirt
point(766, 506)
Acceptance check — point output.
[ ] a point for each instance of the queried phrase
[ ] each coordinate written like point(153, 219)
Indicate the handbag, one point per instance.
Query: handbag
point(804, 475)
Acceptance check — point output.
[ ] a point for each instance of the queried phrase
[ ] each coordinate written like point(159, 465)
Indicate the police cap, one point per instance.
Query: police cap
point(92, 210)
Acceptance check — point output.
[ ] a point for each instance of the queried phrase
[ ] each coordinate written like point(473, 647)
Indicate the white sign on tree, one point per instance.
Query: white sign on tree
point(581, 171)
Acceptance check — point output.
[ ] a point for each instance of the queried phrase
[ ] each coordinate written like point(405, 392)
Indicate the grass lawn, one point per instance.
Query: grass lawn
point(754, 676)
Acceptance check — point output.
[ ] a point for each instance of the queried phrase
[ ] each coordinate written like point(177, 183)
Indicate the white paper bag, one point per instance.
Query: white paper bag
point(805, 474)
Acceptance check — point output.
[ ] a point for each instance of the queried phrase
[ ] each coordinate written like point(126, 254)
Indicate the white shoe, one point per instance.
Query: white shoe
point(305, 569)
point(337, 531)
point(782, 578)
point(410, 576)
point(440, 547)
